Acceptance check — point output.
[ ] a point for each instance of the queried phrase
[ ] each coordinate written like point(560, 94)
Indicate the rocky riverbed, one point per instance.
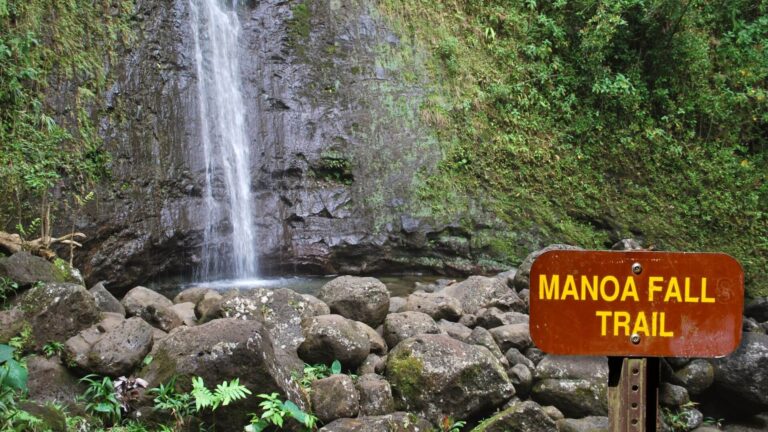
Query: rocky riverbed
point(458, 350)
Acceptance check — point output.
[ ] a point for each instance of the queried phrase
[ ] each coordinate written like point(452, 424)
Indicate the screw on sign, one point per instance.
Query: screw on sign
point(635, 306)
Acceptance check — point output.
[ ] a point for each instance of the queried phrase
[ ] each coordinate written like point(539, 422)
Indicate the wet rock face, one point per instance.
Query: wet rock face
point(320, 115)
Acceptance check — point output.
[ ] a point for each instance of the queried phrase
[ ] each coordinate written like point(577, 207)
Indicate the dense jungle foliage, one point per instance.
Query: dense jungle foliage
point(588, 121)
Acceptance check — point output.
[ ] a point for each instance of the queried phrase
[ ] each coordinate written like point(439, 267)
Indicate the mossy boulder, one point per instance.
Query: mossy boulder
point(363, 299)
point(395, 422)
point(525, 416)
point(436, 376)
point(26, 269)
point(333, 337)
point(577, 386)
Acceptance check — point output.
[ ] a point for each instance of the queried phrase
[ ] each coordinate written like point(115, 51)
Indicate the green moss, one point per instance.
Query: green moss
point(300, 24)
point(406, 376)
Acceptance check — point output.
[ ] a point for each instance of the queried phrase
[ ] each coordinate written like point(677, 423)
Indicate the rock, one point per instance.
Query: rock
point(758, 423)
point(401, 326)
point(281, 311)
point(627, 245)
point(677, 362)
point(11, 324)
point(481, 292)
point(333, 337)
point(507, 277)
point(363, 299)
point(224, 349)
point(57, 311)
point(750, 325)
point(673, 395)
point(693, 418)
point(51, 419)
point(185, 311)
point(375, 395)
point(494, 317)
point(105, 301)
point(378, 344)
point(437, 376)
point(512, 336)
point(696, 376)
point(522, 378)
point(742, 377)
point(209, 307)
point(395, 422)
point(436, 305)
point(192, 295)
point(25, 269)
point(757, 309)
point(577, 386)
point(316, 306)
point(586, 424)
point(534, 354)
point(483, 337)
point(522, 278)
point(152, 307)
point(523, 416)
point(514, 357)
point(553, 412)
point(455, 330)
point(397, 304)
point(334, 397)
point(50, 381)
point(373, 364)
point(110, 348)
point(468, 320)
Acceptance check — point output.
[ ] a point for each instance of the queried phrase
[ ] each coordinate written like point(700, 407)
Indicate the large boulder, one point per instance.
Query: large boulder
point(438, 376)
point(586, 424)
point(577, 386)
point(523, 275)
point(741, 379)
point(57, 311)
point(114, 347)
point(363, 299)
point(401, 326)
point(105, 300)
point(696, 376)
point(50, 381)
point(375, 395)
point(225, 349)
point(26, 269)
point(525, 416)
point(437, 305)
point(512, 336)
point(334, 397)
point(395, 422)
point(280, 310)
point(152, 307)
point(333, 337)
point(479, 292)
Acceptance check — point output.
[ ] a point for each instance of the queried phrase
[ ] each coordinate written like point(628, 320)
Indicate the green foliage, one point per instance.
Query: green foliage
point(53, 348)
point(585, 122)
point(315, 372)
point(42, 45)
point(448, 424)
point(21, 341)
point(8, 288)
point(275, 412)
point(100, 399)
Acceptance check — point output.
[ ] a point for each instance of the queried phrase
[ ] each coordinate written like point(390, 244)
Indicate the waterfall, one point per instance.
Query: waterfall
point(216, 29)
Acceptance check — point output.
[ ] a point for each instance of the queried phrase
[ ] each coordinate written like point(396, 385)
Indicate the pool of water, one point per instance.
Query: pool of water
point(398, 286)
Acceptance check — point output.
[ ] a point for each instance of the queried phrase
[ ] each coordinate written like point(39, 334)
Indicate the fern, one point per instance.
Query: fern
point(203, 397)
point(227, 392)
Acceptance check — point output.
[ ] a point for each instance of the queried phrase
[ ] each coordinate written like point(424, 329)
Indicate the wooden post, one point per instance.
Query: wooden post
point(633, 394)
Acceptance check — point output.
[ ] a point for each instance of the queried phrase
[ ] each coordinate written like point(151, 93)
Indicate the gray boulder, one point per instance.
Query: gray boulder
point(401, 326)
point(512, 336)
point(375, 395)
point(525, 416)
point(438, 376)
point(50, 381)
point(455, 330)
point(577, 386)
point(395, 422)
point(522, 277)
point(316, 306)
point(105, 301)
point(514, 356)
point(373, 364)
point(494, 317)
point(436, 305)
point(673, 395)
point(152, 307)
point(363, 299)
point(335, 397)
point(333, 337)
point(185, 311)
point(192, 295)
point(479, 292)
point(742, 377)
point(757, 309)
point(586, 424)
point(26, 269)
point(113, 347)
point(696, 376)
point(522, 378)
point(396, 304)
point(209, 307)
point(483, 337)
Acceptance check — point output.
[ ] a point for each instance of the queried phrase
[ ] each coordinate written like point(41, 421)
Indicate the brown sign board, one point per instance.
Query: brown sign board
point(636, 303)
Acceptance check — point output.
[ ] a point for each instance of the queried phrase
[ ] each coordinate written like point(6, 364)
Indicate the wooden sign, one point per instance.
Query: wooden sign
point(636, 303)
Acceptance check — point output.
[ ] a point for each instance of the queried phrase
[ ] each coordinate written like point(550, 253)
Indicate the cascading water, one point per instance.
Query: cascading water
point(225, 144)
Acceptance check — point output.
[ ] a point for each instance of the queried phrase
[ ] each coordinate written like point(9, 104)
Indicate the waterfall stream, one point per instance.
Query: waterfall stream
point(226, 150)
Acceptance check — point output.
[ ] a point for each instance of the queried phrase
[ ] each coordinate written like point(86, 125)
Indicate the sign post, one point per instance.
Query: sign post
point(635, 306)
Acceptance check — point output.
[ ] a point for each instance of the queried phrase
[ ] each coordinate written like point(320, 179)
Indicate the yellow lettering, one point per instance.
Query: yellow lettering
point(663, 332)
point(620, 320)
point(551, 290)
point(603, 326)
point(704, 298)
point(641, 324)
point(673, 290)
point(652, 287)
point(688, 297)
point(570, 288)
point(630, 290)
point(587, 287)
point(654, 321)
point(615, 283)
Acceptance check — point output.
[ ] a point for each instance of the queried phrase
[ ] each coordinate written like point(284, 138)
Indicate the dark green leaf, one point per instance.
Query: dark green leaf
point(6, 353)
point(336, 367)
point(17, 375)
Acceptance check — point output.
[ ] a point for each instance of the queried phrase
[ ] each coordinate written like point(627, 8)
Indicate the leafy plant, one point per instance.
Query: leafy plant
point(100, 398)
point(315, 372)
point(274, 413)
point(7, 288)
point(20, 342)
point(447, 424)
point(52, 348)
